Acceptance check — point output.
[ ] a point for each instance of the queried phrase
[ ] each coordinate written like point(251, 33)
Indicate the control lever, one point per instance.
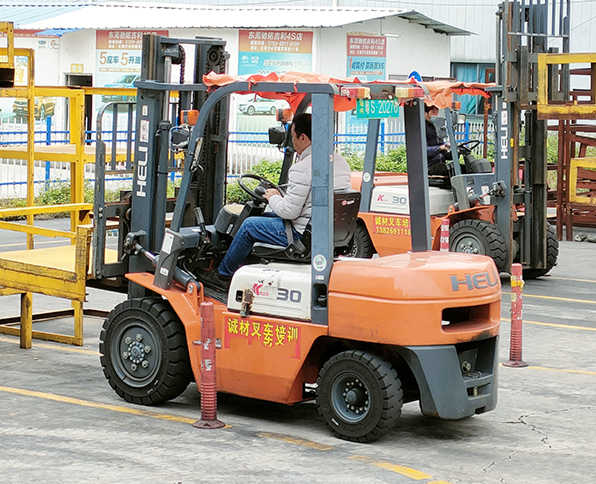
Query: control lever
point(200, 220)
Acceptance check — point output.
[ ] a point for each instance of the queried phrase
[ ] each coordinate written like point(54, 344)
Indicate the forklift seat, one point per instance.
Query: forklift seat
point(346, 205)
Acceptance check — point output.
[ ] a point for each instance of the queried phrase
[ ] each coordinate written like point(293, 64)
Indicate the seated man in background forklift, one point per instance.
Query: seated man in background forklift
point(436, 151)
point(291, 213)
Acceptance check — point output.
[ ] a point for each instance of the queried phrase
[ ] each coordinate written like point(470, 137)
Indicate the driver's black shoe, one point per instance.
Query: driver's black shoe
point(214, 280)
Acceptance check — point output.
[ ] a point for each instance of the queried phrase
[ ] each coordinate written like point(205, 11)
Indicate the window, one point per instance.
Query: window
point(471, 72)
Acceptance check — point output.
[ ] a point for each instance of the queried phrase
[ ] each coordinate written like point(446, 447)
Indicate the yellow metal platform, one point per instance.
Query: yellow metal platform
point(60, 272)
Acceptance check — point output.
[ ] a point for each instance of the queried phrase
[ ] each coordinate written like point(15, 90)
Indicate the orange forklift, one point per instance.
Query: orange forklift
point(361, 336)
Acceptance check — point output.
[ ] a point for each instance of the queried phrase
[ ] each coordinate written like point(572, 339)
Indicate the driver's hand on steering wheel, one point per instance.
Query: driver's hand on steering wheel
point(270, 193)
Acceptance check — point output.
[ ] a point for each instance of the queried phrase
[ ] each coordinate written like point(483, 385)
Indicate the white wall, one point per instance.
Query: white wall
point(47, 56)
point(417, 48)
point(77, 48)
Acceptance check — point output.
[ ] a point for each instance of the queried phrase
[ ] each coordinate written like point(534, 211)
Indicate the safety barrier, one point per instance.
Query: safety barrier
point(515, 348)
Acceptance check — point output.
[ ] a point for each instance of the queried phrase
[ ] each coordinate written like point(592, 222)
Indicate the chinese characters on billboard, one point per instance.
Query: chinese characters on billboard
point(119, 55)
point(367, 56)
point(266, 51)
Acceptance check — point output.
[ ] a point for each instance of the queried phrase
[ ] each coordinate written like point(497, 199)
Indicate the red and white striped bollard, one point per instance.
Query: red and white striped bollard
point(515, 349)
point(208, 375)
point(444, 245)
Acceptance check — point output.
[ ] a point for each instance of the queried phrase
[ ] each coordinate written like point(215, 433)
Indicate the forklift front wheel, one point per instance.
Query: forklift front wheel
point(359, 395)
point(143, 352)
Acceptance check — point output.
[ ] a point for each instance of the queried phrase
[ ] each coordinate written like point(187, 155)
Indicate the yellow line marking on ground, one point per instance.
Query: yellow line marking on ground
point(438, 482)
point(52, 347)
point(297, 441)
point(555, 325)
point(570, 279)
point(558, 370)
point(103, 406)
point(555, 298)
point(405, 471)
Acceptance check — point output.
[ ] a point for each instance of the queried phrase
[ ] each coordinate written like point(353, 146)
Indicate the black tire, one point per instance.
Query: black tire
point(359, 395)
point(129, 329)
point(250, 111)
point(479, 237)
point(361, 244)
point(552, 254)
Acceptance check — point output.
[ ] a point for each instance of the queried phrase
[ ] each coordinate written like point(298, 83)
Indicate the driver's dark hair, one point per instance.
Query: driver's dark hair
point(303, 125)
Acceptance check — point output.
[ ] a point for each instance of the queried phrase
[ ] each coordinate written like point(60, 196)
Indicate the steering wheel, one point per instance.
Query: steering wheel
point(261, 188)
point(467, 146)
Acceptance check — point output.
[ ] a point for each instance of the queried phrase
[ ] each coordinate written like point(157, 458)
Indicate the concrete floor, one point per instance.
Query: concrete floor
point(63, 423)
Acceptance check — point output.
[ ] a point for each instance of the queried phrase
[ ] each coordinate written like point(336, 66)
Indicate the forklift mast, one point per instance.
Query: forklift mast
point(524, 30)
point(153, 159)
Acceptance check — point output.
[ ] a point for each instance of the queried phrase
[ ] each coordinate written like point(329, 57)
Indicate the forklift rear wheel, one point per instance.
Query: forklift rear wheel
point(144, 353)
point(359, 395)
point(361, 245)
point(478, 237)
point(552, 254)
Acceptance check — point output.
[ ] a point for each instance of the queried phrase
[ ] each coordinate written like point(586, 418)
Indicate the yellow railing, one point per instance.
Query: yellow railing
point(565, 109)
point(577, 163)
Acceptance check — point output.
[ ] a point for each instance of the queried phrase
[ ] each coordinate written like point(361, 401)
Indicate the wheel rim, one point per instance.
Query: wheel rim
point(350, 397)
point(136, 353)
point(469, 244)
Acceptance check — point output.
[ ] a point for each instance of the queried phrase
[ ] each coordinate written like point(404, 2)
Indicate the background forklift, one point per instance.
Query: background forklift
point(470, 198)
point(291, 328)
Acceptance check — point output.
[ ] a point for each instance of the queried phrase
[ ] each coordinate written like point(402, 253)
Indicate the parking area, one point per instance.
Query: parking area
point(63, 423)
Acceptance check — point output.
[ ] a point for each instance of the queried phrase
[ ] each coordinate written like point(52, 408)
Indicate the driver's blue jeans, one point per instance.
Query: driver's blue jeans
point(267, 229)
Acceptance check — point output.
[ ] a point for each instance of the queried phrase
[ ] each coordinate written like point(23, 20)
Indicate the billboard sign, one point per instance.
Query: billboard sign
point(367, 56)
point(279, 51)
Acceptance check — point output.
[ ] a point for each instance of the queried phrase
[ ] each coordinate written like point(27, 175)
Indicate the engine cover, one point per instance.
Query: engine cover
point(278, 289)
point(395, 199)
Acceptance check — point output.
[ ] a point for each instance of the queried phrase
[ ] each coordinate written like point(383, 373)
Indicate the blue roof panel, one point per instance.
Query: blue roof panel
point(22, 15)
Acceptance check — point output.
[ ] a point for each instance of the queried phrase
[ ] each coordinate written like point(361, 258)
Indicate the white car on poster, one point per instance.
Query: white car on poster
point(258, 105)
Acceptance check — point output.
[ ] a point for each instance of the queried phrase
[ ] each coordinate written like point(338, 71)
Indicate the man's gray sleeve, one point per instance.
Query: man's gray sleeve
point(299, 183)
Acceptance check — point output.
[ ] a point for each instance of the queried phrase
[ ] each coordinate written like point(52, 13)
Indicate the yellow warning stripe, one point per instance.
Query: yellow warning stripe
point(103, 406)
point(555, 298)
point(297, 441)
point(555, 325)
point(404, 471)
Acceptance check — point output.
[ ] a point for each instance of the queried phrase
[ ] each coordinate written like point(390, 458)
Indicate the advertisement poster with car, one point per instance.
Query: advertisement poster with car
point(17, 109)
point(263, 52)
point(118, 65)
point(118, 59)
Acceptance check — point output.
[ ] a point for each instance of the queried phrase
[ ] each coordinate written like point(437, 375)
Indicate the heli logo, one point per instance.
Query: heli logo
point(142, 172)
point(381, 198)
point(481, 280)
point(258, 290)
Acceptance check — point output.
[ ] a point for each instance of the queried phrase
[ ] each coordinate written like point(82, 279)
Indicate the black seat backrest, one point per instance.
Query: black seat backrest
point(345, 212)
point(346, 205)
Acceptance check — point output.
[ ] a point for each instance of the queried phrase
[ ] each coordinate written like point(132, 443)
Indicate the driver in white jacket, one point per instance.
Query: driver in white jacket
point(295, 206)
